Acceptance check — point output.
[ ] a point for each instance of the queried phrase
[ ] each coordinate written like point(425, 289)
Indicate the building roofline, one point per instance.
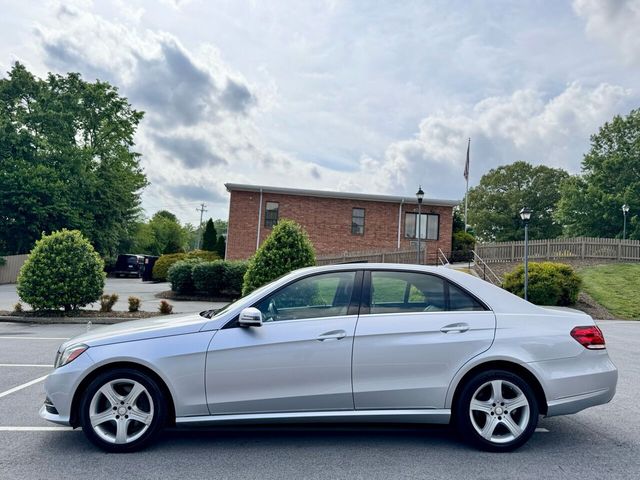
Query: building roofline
point(342, 195)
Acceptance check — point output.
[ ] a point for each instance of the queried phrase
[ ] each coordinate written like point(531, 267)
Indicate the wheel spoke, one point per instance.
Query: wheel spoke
point(111, 395)
point(480, 406)
point(518, 402)
point(489, 427)
point(121, 431)
point(496, 389)
point(135, 392)
point(513, 427)
point(140, 416)
point(100, 418)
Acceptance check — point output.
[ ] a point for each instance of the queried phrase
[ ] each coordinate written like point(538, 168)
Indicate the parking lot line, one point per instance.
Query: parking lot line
point(20, 387)
point(35, 429)
point(24, 365)
point(34, 338)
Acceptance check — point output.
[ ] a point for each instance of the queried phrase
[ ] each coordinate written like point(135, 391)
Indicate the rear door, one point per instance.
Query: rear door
point(414, 332)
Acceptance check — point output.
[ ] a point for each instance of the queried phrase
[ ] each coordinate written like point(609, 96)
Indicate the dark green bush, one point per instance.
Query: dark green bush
point(234, 277)
point(549, 283)
point(62, 270)
point(208, 277)
point(162, 265)
point(461, 246)
point(287, 248)
point(180, 275)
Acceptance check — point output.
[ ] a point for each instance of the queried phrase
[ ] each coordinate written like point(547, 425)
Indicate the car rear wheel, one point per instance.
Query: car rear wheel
point(122, 410)
point(496, 411)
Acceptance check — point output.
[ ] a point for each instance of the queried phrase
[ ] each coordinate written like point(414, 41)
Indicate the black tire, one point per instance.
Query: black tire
point(159, 409)
point(464, 419)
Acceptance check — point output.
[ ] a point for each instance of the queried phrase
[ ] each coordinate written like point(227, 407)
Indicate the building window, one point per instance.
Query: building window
point(429, 225)
point(271, 214)
point(357, 221)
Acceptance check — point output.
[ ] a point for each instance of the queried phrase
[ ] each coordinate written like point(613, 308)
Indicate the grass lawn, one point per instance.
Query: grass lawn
point(616, 287)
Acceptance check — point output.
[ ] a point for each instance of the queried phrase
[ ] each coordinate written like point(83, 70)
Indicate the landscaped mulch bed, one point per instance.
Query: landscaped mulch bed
point(589, 306)
point(171, 295)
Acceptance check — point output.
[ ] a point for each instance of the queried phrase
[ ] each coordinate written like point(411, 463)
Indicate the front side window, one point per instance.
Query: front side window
point(429, 225)
point(271, 214)
point(325, 295)
point(357, 221)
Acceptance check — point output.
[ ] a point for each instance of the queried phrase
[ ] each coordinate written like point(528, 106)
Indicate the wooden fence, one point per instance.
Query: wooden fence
point(578, 248)
point(9, 271)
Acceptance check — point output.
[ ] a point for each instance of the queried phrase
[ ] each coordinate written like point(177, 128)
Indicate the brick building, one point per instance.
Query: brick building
point(336, 222)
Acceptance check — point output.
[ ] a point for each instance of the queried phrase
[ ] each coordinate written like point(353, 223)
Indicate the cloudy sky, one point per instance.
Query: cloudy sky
point(342, 95)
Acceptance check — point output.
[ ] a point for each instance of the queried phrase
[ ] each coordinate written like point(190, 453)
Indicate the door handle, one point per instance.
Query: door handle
point(455, 328)
point(332, 335)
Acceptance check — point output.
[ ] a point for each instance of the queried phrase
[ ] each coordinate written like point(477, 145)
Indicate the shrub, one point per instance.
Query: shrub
point(180, 275)
point(165, 307)
point(107, 302)
point(17, 308)
point(162, 265)
point(286, 249)
point(208, 277)
point(461, 245)
point(549, 283)
point(62, 270)
point(134, 304)
point(234, 277)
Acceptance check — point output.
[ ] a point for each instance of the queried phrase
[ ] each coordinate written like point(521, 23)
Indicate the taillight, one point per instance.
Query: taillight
point(590, 337)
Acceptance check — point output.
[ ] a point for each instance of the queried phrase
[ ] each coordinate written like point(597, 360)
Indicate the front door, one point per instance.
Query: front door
point(298, 360)
point(414, 333)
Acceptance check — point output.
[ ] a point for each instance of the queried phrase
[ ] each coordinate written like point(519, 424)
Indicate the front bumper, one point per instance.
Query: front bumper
point(60, 386)
point(573, 384)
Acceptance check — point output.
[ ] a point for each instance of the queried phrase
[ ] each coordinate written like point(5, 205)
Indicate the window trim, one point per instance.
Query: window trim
point(266, 210)
point(415, 237)
point(364, 215)
point(365, 307)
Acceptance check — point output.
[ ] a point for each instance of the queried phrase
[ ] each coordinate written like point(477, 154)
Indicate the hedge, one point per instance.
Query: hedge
point(215, 278)
point(549, 283)
point(162, 265)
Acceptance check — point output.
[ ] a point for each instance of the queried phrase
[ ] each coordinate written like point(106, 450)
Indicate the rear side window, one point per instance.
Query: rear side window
point(404, 292)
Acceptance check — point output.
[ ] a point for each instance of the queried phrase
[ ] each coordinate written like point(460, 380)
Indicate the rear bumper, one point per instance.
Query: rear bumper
point(573, 384)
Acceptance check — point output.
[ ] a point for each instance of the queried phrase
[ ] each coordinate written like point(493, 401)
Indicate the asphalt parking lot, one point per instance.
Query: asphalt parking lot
point(600, 443)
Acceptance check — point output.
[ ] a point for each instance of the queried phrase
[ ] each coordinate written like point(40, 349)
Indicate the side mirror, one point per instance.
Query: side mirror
point(250, 317)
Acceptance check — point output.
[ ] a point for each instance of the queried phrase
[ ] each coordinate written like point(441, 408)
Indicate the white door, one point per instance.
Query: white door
point(414, 333)
point(298, 360)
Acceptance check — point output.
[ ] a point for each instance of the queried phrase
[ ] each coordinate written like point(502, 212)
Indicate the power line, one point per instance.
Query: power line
point(201, 210)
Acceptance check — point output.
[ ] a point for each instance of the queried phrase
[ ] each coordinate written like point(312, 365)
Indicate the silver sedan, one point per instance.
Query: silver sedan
point(352, 343)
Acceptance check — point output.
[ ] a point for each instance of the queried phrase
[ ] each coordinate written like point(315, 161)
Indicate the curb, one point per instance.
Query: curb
point(67, 320)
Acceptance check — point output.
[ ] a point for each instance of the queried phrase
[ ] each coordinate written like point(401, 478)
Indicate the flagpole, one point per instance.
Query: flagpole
point(466, 195)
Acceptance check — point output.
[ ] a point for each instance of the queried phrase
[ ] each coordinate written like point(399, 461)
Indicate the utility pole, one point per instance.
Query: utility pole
point(202, 209)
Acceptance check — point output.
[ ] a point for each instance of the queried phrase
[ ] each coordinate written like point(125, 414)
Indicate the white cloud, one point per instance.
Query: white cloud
point(614, 21)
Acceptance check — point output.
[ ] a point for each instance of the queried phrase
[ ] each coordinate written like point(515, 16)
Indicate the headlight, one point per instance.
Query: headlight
point(69, 354)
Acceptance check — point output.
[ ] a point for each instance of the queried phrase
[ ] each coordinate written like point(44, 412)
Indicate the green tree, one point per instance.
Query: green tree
point(66, 160)
point(287, 248)
point(209, 237)
point(62, 270)
point(495, 203)
point(221, 246)
point(221, 226)
point(162, 234)
point(591, 203)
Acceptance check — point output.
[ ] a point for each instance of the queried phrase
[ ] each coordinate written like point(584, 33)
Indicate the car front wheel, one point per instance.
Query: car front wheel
point(496, 411)
point(122, 410)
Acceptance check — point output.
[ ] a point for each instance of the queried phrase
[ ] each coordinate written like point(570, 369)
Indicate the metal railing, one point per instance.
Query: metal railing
point(442, 258)
point(482, 269)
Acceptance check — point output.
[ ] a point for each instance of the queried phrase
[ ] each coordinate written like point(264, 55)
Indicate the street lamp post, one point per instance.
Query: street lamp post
point(625, 210)
point(419, 196)
point(525, 215)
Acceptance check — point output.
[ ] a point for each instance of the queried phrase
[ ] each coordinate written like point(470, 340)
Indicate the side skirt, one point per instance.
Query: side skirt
point(440, 416)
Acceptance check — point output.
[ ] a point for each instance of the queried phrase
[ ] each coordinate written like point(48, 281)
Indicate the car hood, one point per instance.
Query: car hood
point(139, 330)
